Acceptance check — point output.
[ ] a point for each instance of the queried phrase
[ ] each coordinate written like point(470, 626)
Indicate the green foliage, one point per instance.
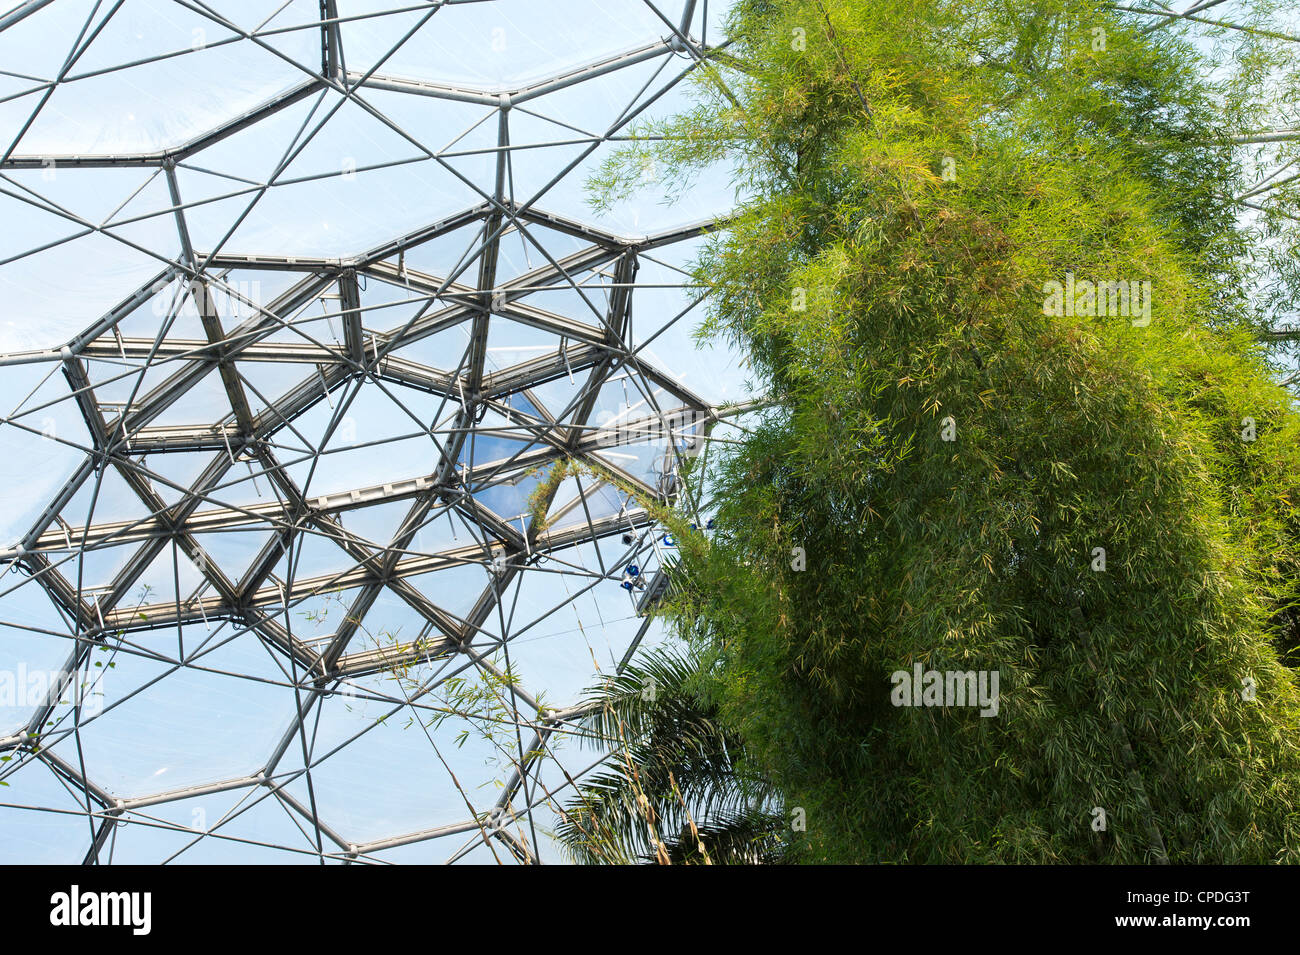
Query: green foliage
point(539, 502)
point(676, 789)
point(923, 306)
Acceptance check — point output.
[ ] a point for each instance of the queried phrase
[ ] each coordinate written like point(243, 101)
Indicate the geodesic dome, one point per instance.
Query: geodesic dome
point(330, 409)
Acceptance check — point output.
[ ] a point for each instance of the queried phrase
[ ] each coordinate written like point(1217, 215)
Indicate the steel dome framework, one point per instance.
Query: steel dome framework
point(211, 543)
point(488, 433)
